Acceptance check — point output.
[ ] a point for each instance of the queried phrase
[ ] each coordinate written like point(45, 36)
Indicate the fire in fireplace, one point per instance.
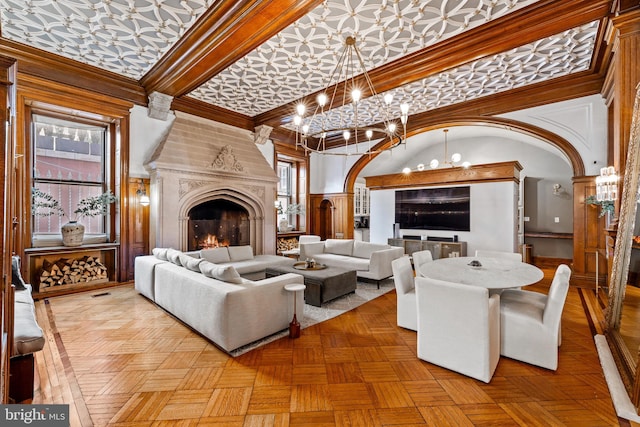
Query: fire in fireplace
point(217, 223)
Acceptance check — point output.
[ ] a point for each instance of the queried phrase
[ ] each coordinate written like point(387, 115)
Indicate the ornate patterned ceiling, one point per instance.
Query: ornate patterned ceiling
point(129, 36)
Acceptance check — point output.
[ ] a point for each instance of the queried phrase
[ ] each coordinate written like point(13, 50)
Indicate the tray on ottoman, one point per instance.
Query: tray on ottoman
point(321, 285)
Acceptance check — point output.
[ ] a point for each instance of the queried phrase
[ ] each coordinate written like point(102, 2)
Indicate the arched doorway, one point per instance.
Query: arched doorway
point(326, 226)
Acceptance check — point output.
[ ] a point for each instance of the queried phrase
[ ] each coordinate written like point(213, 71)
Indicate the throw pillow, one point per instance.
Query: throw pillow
point(216, 255)
point(226, 273)
point(160, 253)
point(16, 277)
point(192, 264)
point(184, 259)
point(174, 256)
point(240, 253)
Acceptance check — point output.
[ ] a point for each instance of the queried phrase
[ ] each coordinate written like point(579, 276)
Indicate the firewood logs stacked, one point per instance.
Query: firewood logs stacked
point(70, 271)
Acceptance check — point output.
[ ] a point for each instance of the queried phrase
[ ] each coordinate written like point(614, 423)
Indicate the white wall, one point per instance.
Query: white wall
point(145, 135)
point(493, 218)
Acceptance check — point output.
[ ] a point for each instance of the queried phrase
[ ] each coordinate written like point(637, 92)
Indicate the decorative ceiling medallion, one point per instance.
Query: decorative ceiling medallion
point(123, 36)
point(227, 161)
point(299, 60)
point(559, 55)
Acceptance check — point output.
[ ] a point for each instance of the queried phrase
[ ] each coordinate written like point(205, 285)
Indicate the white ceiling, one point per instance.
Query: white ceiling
point(129, 36)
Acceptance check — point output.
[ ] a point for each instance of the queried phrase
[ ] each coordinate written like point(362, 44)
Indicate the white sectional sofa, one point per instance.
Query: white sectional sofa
point(214, 299)
point(370, 260)
point(247, 264)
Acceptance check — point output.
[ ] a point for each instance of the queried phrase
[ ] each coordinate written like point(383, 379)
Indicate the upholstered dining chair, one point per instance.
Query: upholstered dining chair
point(458, 327)
point(514, 256)
point(420, 259)
point(405, 292)
point(305, 238)
point(531, 322)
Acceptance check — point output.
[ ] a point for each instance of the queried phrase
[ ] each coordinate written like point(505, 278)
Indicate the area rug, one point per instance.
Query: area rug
point(312, 315)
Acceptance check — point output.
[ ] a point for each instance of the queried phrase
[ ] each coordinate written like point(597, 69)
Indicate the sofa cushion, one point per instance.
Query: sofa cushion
point(339, 246)
point(173, 255)
point(216, 255)
point(365, 249)
point(240, 253)
point(28, 336)
point(342, 261)
point(191, 263)
point(226, 273)
point(16, 277)
point(160, 253)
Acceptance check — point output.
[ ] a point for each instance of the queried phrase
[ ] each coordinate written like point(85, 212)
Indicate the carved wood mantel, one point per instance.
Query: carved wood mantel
point(493, 172)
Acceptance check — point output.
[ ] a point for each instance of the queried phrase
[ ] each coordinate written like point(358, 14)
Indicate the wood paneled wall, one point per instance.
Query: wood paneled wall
point(137, 227)
point(7, 135)
point(589, 236)
point(331, 215)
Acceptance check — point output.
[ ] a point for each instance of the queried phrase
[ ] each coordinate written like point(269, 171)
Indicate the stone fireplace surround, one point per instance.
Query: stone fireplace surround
point(201, 160)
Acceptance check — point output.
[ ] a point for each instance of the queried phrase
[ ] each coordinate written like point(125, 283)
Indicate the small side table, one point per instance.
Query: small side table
point(294, 326)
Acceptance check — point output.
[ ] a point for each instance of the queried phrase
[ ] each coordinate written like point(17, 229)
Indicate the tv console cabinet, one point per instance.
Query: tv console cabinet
point(438, 249)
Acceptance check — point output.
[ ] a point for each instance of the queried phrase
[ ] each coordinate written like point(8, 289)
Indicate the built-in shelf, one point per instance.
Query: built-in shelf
point(101, 255)
point(548, 235)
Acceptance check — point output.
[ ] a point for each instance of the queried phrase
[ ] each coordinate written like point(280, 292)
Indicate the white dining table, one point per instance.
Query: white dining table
point(493, 273)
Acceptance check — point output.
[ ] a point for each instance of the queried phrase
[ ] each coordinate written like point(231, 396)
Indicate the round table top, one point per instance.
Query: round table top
point(494, 273)
point(295, 287)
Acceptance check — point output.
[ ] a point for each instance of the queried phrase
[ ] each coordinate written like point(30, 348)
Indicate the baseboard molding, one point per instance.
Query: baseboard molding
point(621, 402)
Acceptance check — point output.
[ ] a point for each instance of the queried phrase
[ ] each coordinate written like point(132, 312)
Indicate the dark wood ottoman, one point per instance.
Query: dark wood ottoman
point(321, 285)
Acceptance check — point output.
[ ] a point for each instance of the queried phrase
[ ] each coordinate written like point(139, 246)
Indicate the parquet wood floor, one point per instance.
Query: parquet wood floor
point(118, 360)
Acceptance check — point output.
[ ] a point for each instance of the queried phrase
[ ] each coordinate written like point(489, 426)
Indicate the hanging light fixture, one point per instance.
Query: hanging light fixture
point(340, 112)
point(435, 163)
point(451, 162)
point(607, 184)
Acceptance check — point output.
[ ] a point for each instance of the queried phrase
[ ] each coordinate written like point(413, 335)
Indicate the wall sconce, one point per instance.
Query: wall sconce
point(557, 190)
point(607, 185)
point(142, 194)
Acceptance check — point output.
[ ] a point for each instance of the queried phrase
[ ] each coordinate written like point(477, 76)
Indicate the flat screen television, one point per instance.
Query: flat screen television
point(434, 209)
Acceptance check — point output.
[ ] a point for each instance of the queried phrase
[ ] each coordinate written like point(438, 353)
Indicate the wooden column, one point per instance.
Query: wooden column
point(589, 236)
point(137, 225)
point(625, 39)
point(7, 153)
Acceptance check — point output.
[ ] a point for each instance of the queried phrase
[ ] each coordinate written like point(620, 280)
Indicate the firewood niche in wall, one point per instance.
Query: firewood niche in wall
point(65, 271)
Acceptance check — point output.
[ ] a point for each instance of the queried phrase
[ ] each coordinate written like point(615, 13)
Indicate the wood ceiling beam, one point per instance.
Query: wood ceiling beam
point(542, 19)
point(48, 66)
point(549, 92)
point(557, 90)
point(228, 31)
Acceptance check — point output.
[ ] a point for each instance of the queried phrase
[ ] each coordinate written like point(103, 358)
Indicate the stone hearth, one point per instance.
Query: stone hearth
point(199, 161)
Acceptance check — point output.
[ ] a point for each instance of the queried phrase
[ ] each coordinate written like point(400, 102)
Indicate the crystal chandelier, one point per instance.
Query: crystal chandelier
point(342, 113)
point(607, 185)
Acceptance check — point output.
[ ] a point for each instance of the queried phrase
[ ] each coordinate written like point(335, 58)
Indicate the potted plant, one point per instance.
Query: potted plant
point(607, 207)
point(43, 204)
point(291, 209)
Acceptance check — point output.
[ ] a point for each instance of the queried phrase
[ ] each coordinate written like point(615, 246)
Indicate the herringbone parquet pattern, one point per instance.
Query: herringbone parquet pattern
point(118, 360)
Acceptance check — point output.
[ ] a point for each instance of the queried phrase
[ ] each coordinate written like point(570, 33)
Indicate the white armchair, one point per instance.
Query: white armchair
point(458, 327)
point(514, 256)
point(420, 259)
point(406, 293)
point(531, 322)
